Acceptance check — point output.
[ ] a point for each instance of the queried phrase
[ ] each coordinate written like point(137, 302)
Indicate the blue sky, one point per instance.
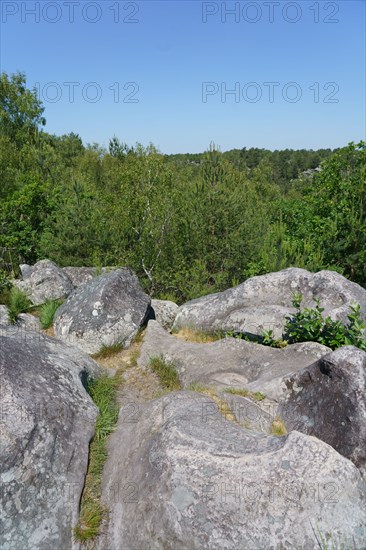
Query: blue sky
point(160, 72)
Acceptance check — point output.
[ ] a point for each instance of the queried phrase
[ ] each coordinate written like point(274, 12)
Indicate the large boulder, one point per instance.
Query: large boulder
point(181, 476)
point(110, 309)
point(328, 400)
point(229, 362)
point(164, 312)
point(82, 275)
point(262, 303)
point(44, 281)
point(47, 422)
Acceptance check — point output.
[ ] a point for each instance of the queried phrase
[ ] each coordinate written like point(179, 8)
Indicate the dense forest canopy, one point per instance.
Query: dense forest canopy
point(187, 224)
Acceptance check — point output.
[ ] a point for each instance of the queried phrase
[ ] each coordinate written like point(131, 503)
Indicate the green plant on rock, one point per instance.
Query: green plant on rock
point(47, 312)
point(308, 325)
point(18, 303)
point(166, 372)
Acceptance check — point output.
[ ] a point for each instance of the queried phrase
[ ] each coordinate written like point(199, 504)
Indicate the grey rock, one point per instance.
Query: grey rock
point(4, 315)
point(80, 275)
point(44, 281)
point(262, 303)
point(250, 414)
point(181, 476)
point(110, 309)
point(47, 422)
point(229, 362)
point(28, 322)
point(164, 312)
point(328, 400)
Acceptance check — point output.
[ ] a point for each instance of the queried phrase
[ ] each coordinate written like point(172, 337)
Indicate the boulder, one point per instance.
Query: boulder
point(181, 476)
point(44, 281)
point(80, 275)
point(28, 322)
point(164, 312)
point(262, 303)
point(47, 422)
point(328, 400)
point(229, 362)
point(110, 309)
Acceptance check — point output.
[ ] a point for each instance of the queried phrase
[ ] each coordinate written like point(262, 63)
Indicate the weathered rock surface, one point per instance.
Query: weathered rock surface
point(44, 281)
point(181, 476)
point(110, 309)
point(82, 275)
point(230, 362)
point(164, 312)
point(47, 422)
point(262, 303)
point(328, 400)
point(4, 315)
point(28, 322)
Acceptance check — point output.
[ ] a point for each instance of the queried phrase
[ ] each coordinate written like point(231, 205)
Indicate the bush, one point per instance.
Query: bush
point(47, 312)
point(308, 325)
point(18, 303)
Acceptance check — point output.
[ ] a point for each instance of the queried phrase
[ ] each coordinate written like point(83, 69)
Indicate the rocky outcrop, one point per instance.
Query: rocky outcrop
point(47, 422)
point(44, 281)
point(262, 303)
point(108, 310)
point(230, 362)
point(164, 312)
point(4, 315)
point(181, 476)
point(328, 400)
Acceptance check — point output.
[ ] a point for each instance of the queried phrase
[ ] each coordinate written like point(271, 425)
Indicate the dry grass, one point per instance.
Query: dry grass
point(278, 427)
point(223, 406)
point(255, 396)
point(197, 336)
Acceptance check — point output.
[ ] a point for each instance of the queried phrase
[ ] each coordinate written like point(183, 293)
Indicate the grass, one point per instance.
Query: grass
point(18, 302)
point(47, 312)
point(198, 336)
point(256, 396)
point(278, 427)
point(223, 407)
point(103, 391)
point(108, 351)
point(166, 372)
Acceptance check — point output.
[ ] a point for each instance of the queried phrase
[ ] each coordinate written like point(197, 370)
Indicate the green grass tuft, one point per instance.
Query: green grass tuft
point(18, 302)
point(256, 396)
point(103, 391)
point(166, 372)
point(108, 351)
point(47, 312)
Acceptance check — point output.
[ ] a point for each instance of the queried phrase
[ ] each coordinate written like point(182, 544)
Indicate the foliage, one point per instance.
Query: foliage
point(103, 391)
point(308, 325)
point(47, 312)
point(188, 225)
point(18, 303)
point(108, 351)
point(166, 373)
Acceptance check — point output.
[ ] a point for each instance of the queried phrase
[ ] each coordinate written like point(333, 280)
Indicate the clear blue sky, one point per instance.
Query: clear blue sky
point(172, 49)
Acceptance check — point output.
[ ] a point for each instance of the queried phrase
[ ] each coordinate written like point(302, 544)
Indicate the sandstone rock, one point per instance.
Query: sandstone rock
point(28, 322)
point(80, 275)
point(230, 362)
point(47, 422)
point(110, 309)
point(164, 312)
point(181, 476)
point(328, 400)
point(44, 281)
point(262, 303)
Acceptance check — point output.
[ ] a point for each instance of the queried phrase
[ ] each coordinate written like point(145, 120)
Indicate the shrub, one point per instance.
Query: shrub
point(47, 312)
point(308, 325)
point(18, 303)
